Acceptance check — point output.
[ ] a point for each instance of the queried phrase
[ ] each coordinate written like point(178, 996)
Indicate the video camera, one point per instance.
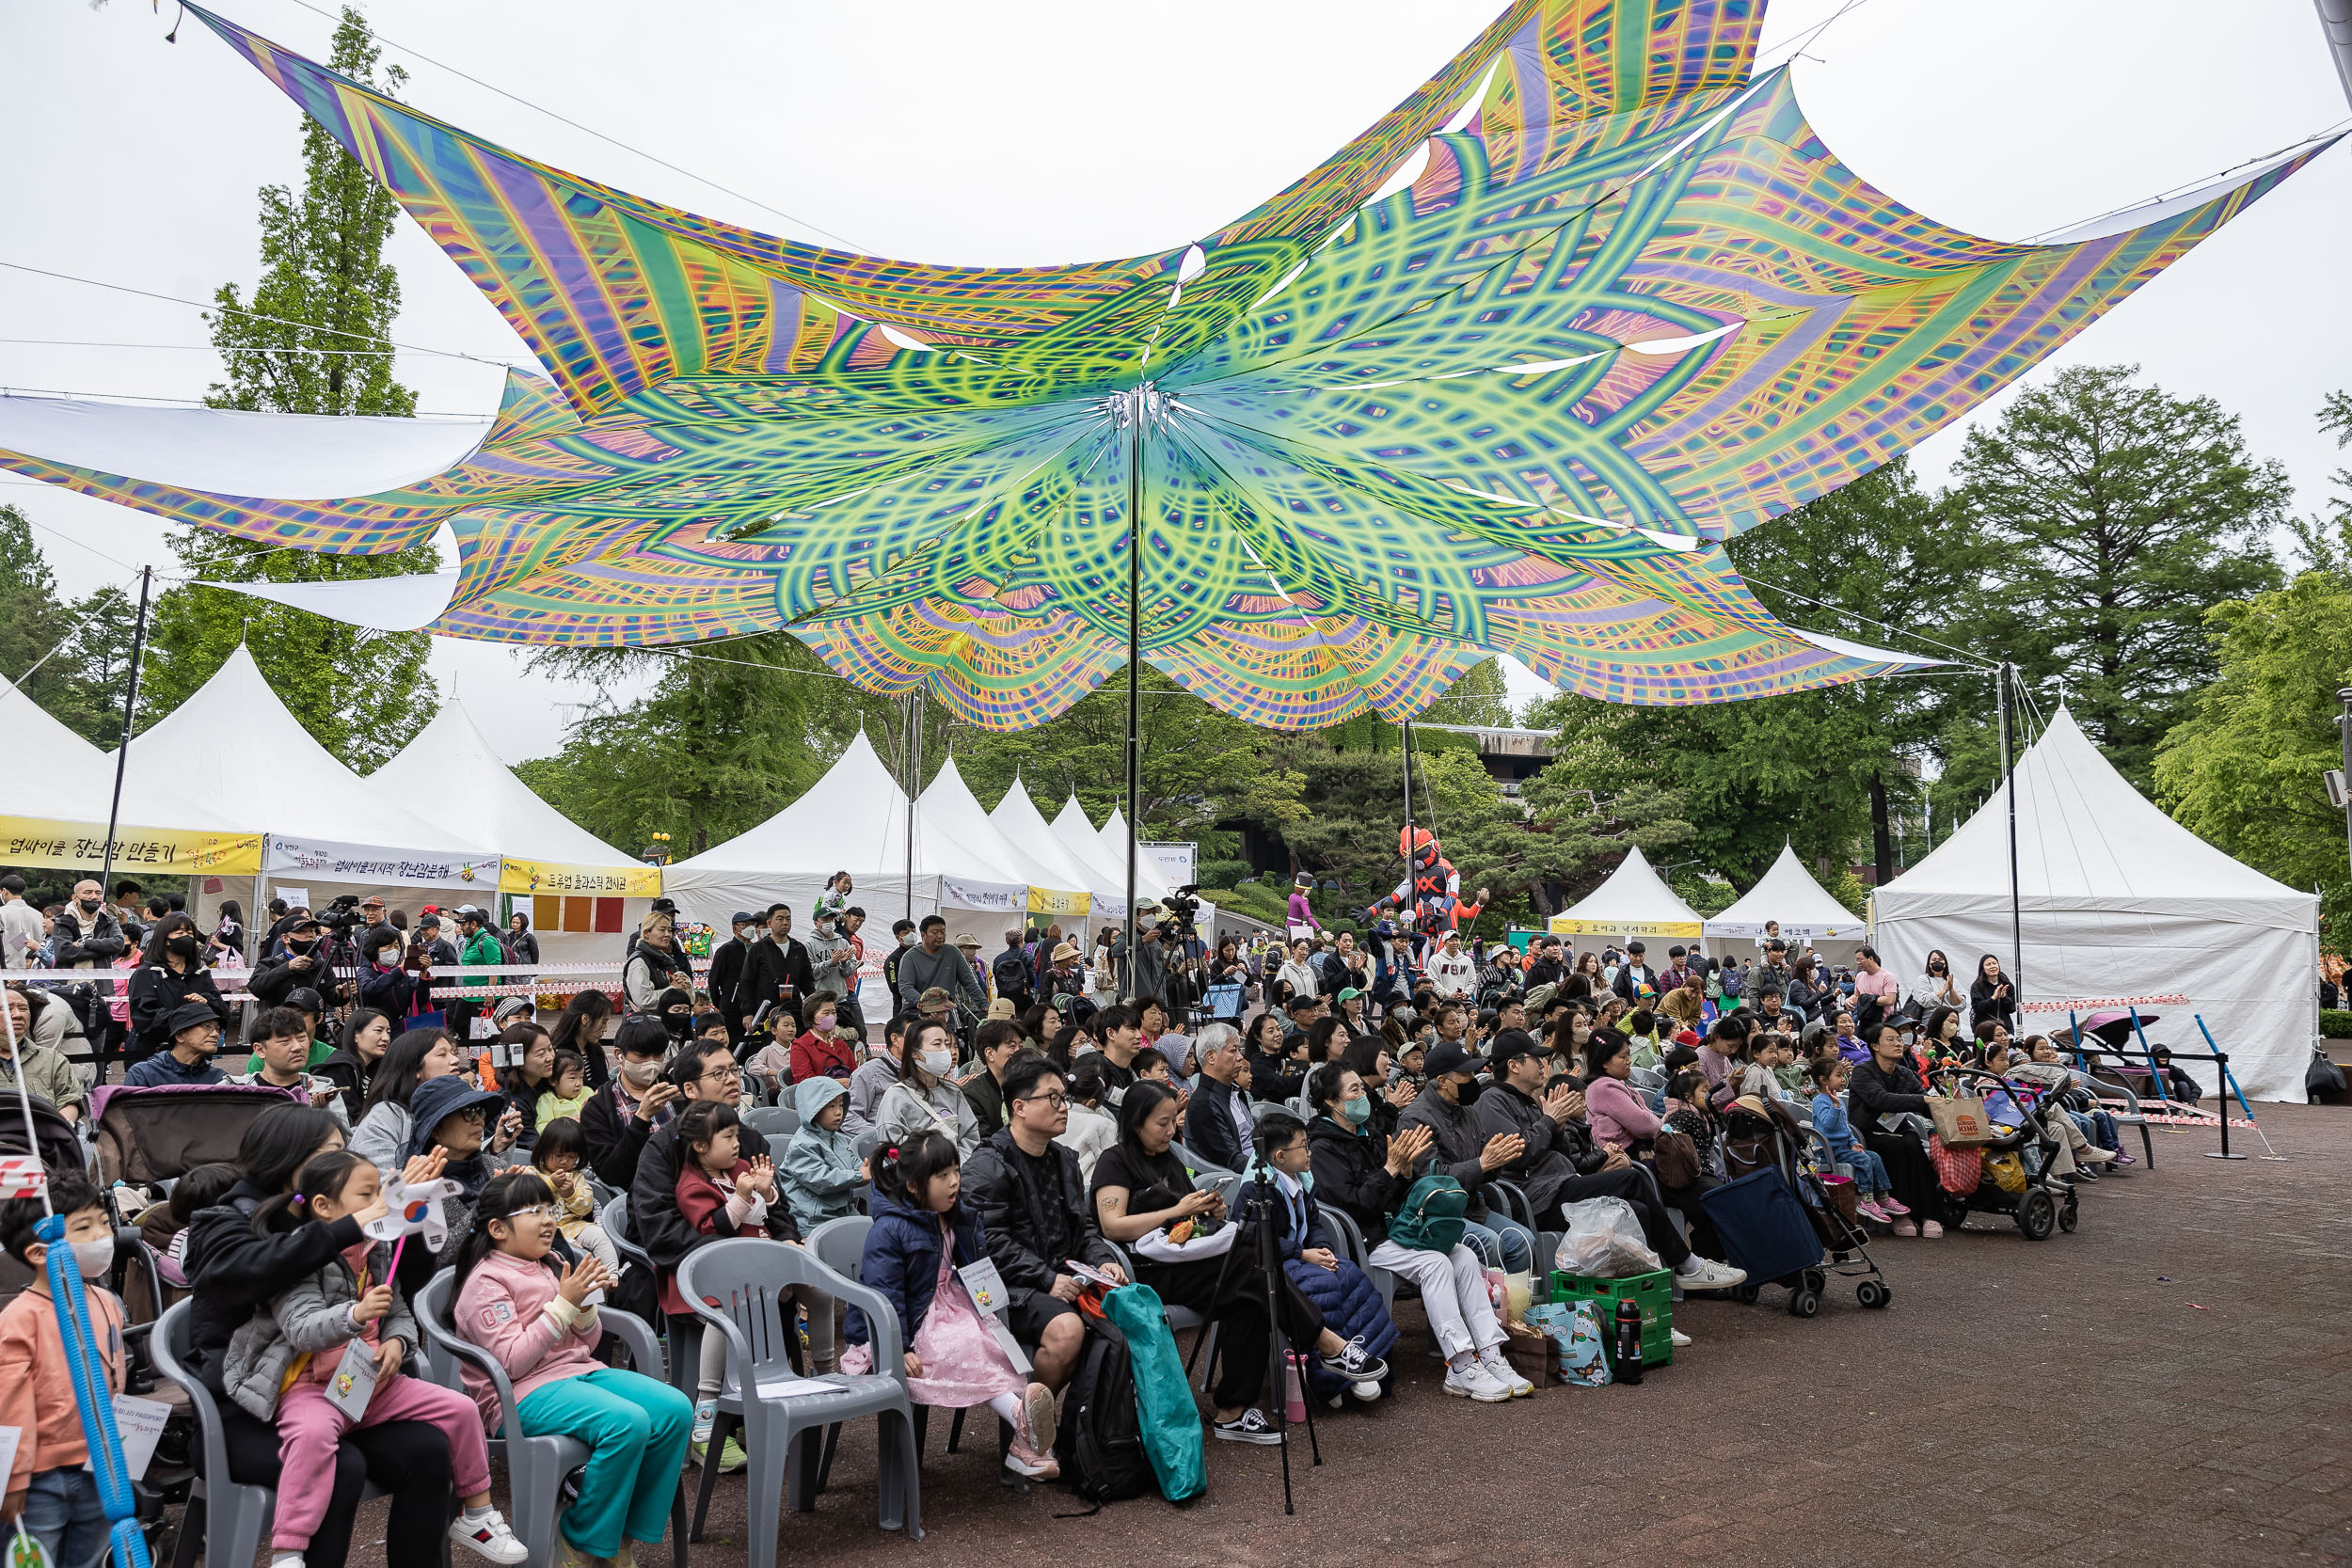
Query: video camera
point(1179, 910)
point(341, 916)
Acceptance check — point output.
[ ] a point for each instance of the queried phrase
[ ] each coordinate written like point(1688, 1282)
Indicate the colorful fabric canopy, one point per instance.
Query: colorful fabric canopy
point(1500, 375)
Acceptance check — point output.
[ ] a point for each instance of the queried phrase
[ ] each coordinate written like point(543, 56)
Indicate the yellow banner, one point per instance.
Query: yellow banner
point(549, 878)
point(1047, 900)
point(1561, 925)
point(82, 845)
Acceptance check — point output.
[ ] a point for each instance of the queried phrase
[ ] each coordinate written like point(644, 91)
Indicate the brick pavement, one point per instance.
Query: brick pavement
point(2056, 1403)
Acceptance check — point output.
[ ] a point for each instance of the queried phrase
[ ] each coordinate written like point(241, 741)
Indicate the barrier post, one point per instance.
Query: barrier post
point(2075, 1033)
point(2229, 1086)
point(2155, 1073)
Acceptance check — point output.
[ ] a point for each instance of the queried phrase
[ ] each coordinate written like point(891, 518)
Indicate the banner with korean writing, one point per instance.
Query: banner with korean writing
point(1561, 925)
point(314, 859)
point(1048, 900)
point(82, 845)
point(549, 879)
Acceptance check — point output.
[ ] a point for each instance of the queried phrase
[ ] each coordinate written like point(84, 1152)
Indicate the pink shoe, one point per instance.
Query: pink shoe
point(1904, 1228)
point(1931, 1229)
point(2124, 1159)
point(1871, 1211)
point(1886, 1201)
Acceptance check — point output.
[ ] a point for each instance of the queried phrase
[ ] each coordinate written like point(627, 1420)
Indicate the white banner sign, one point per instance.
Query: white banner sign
point(956, 893)
point(362, 863)
point(1175, 860)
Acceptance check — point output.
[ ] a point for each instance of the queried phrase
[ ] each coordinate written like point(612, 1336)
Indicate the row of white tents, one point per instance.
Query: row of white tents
point(2120, 907)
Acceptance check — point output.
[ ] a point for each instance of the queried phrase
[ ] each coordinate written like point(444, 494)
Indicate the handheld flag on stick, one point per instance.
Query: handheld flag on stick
point(412, 1210)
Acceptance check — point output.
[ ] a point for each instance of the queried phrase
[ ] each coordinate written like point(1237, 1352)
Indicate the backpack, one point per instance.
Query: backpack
point(1430, 1218)
point(1012, 973)
point(1100, 1443)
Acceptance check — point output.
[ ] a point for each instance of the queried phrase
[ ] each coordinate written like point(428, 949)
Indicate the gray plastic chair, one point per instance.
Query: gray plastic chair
point(535, 1466)
point(613, 1219)
point(1203, 1173)
point(739, 1288)
point(685, 1349)
point(773, 1122)
point(229, 1518)
point(1343, 1225)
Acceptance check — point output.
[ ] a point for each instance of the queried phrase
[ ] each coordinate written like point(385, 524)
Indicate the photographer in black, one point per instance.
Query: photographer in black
point(1161, 946)
point(307, 960)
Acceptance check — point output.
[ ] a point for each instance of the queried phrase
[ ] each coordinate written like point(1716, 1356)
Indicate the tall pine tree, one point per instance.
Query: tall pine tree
point(361, 693)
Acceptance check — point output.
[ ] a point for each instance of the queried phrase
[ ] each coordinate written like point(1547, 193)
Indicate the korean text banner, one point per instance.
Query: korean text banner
point(82, 845)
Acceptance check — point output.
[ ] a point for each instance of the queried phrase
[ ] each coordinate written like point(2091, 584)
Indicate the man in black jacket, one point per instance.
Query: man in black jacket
point(726, 973)
point(1034, 1208)
point(1562, 1164)
point(1218, 1123)
point(620, 1118)
point(87, 935)
point(776, 970)
point(302, 965)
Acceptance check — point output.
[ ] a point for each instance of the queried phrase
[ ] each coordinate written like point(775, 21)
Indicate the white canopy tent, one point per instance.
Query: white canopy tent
point(1635, 901)
point(853, 819)
point(1017, 819)
point(55, 789)
point(2121, 907)
point(1786, 895)
point(234, 748)
point(1075, 831)
point(948, 808)
point(580, 892)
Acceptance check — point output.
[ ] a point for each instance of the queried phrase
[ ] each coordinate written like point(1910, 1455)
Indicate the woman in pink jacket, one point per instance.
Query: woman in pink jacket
point(1615, 1114)
point(515, 1301)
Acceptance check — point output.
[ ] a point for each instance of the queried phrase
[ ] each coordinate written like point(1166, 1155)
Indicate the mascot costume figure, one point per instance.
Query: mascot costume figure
point(1431, 894)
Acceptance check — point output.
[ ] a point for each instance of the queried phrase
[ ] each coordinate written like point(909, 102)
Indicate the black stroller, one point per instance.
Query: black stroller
point(2027, 1192)
point(1780, 1223)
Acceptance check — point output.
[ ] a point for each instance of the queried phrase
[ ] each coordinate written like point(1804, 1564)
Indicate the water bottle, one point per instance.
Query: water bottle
point(1629, 1368)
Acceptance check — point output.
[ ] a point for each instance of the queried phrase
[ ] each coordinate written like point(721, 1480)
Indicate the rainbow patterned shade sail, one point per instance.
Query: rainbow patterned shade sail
point(1499, 376)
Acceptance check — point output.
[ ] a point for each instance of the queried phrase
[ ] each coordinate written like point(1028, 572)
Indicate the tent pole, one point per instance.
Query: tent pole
point(1412, 904)
point(1135, 653)
point(130, 716)
point(2008, 785)
point(914, 773)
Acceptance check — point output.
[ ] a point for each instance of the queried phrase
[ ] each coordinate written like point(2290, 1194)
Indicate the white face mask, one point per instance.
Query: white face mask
point(389, 957)
point(938, 1063)
point(641, 1073)
point(94, 1257)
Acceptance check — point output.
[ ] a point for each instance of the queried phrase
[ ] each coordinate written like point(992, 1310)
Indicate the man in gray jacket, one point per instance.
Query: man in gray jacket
point(932, 962)
point(832, 961)
point(1559, 1162)
point(1459, 1150)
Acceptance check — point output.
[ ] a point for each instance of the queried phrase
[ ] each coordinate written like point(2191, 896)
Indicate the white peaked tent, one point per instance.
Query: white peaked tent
point(1635, 901)
point(1052, 864)
point(1788, 895)
point(948, 808)
point(1076, 831)
point(450, 776)
point(55, 789)
point(853, 819)
point(1113, 842)
point(2121, 907)
point(232, 747)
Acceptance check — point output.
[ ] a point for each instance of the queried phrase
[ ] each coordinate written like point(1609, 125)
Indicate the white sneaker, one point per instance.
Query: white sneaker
point(1682, 1341)
point(1493, 1364)
point(1705, 1273)
point(1367, 1391)
point(1474, 1381)
point(486, 1535)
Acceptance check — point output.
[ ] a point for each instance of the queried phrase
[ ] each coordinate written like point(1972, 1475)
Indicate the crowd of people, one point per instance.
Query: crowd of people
point(1039, 1106)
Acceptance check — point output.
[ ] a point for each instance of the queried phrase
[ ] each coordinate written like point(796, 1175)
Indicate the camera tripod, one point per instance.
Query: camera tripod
point(1257, 1216)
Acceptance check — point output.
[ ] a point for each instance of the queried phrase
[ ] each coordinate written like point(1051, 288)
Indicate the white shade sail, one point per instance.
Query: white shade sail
point(2121, 907)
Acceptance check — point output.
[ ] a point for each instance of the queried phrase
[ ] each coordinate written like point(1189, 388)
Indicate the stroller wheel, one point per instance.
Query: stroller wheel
point(1873, 1292)
point(2070, 1213)
point(1805, 1303)
point(1817, 1281)
point(2037, 1215)
point(1745, 1294)
point(1955, 1207)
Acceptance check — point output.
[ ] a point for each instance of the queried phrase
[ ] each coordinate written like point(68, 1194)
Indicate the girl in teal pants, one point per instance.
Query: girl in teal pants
point(525, 1306)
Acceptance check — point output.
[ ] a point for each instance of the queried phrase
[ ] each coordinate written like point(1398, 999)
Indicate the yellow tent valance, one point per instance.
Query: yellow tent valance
point(548, 877)
point(82, 847)
point(1561, 925)
point(1047, 900)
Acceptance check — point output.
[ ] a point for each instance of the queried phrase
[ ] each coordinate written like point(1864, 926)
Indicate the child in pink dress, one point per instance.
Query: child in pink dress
point(922, 1235)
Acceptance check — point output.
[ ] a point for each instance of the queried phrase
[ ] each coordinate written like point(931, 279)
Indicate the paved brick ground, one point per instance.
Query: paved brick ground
point(2170, 1384)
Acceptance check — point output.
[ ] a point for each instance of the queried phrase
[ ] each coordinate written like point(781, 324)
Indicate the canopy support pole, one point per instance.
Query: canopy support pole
point(130, 717)
point(1410, 914)
point(2008, 789)
point(1135, 403)
point(915, 785)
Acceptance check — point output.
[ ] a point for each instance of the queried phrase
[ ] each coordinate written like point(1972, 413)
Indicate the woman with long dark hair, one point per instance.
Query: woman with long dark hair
point(235, 1269)
point(417, 1055)
point(522, 942)
point(367, 1035)
point(1991, 995)
point(171, 973)
point(579, 1029)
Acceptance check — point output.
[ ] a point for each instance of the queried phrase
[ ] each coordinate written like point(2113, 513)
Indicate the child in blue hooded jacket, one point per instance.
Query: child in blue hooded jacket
point(954, 1358)
point(821, 1172)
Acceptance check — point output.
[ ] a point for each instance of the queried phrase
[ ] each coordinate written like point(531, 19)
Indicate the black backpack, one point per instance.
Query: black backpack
point(1012, 974)
point(1100, 1443)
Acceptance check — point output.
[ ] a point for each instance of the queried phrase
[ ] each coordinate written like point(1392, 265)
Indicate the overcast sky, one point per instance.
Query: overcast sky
point(1021, 131)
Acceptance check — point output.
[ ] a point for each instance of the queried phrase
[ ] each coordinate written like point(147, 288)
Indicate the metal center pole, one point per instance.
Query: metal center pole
point(1135, 402)
point(130, 717)
point(2016, 906)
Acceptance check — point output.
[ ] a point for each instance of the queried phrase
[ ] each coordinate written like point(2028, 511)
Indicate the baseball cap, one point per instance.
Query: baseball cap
point(1508, 1047)
point(373, 901)
point(1349, 993)
point(302, 999)
point(744, 917)
point(1451, 1056)
point(1001, 1007)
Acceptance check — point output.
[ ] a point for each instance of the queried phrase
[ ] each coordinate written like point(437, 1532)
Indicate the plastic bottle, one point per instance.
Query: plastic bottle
point(1628, 1359)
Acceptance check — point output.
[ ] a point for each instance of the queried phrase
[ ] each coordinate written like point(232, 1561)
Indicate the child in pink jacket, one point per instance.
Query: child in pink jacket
point(524, 1306)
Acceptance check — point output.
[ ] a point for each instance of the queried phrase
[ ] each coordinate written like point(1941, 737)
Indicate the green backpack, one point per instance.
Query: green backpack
point(1430, 1218)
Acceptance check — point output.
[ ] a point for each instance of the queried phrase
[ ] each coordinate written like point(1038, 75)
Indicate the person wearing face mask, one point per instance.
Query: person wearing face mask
point(1458, 1149)
point(171, 974)
point(621, 1118)
point(301, 962)
point(384, 984)
point(923, 1099)
point(88, 936)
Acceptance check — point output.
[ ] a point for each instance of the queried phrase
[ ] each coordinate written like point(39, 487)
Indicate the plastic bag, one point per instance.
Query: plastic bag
point(1604, 1241)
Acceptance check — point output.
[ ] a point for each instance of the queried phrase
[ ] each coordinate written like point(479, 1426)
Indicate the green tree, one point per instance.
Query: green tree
point(2119, 513)
point(107, 620)
point(332, 295)
point(33, 621)
point(1480, 696)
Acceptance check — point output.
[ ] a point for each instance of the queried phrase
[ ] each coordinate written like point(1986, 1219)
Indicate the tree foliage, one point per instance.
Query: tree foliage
point(326, 349)
point(78, 654)
point(2117, 513)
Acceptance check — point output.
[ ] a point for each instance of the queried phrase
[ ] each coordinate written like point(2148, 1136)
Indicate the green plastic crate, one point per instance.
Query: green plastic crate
point(1653, 1292)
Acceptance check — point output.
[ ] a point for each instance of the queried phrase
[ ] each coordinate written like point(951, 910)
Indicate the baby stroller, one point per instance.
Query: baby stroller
point(1780, 1223)
point(2039, 1202)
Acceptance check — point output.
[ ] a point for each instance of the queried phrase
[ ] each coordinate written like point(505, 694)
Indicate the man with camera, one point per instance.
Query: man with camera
point(1159, 945)
point(303, 962)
